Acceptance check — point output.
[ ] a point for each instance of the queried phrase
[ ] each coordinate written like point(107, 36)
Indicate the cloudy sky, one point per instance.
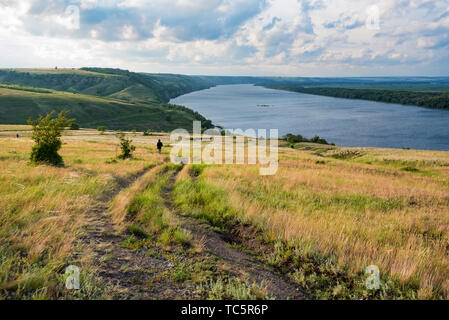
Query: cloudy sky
point(230, 37)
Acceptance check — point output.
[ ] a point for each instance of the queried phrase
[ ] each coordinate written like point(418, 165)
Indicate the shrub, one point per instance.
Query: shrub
point(74, 126)
point(126, 147)
point(47, 137)
point(101, 129)
point(147, 133)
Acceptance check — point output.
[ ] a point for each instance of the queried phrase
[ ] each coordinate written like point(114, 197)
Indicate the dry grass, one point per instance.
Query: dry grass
point(42, 207)
point(384, 207)
point(361, 213)
point(122, 201)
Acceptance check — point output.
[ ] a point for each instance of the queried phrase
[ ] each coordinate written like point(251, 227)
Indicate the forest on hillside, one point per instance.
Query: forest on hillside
point(435, 100)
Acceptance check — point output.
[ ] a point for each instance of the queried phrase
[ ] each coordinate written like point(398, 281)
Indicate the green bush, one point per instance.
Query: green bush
point(47, 137)
point(126, 147)
point(101, 129)
point(74, 126)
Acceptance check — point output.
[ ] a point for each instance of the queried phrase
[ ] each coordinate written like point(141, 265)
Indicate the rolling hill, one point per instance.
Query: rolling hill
point(117, 99)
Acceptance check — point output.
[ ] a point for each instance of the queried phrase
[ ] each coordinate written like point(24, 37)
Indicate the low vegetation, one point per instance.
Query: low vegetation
point(234, 289)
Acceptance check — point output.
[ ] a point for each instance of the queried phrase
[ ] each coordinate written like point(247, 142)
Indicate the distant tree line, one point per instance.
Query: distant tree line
point(436, 100)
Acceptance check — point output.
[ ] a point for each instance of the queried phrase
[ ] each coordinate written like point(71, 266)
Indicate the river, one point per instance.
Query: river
point(352, 123)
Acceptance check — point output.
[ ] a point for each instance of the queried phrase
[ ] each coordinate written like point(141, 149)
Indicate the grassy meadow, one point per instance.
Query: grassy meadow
point(43, 207)
point(331, 212)
point(327, 214)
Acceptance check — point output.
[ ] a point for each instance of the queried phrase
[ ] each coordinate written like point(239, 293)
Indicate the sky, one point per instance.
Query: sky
point(230, 37)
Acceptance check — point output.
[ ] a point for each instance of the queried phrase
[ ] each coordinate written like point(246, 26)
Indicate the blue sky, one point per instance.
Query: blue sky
point(230, 37)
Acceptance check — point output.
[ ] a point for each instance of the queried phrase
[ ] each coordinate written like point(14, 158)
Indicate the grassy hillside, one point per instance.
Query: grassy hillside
point(17, 104)
point(116, 83)
point(116, 99)
point(325, 216)
point(330, 212)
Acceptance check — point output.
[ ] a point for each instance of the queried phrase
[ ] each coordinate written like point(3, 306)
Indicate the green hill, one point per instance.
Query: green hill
point(17, 104)
point(117, 99)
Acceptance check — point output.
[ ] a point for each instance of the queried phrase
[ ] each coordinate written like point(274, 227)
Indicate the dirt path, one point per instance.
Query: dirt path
point(136, 274)
point(127, 274)
point(242, 263)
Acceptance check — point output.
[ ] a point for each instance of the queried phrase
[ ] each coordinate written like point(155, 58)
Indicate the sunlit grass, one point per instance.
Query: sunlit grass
point(43, 207)
point(142, 208)
point(356, 213)
point(327, 216)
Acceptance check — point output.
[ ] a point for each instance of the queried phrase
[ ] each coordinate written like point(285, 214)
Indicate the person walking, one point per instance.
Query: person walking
point(159, 146)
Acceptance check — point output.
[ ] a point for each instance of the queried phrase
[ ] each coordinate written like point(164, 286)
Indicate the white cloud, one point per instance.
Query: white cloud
point(289, 37)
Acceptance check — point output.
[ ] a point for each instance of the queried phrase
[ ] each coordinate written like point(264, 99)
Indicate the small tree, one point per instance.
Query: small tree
point(126, 147)
point(47, 137)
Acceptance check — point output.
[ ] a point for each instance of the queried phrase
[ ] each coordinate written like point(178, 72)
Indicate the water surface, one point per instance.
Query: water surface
point(342, 121)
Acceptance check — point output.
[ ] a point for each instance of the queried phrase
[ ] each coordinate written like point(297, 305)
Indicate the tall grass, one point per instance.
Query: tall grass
point(350, 214)
point(42, 210)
